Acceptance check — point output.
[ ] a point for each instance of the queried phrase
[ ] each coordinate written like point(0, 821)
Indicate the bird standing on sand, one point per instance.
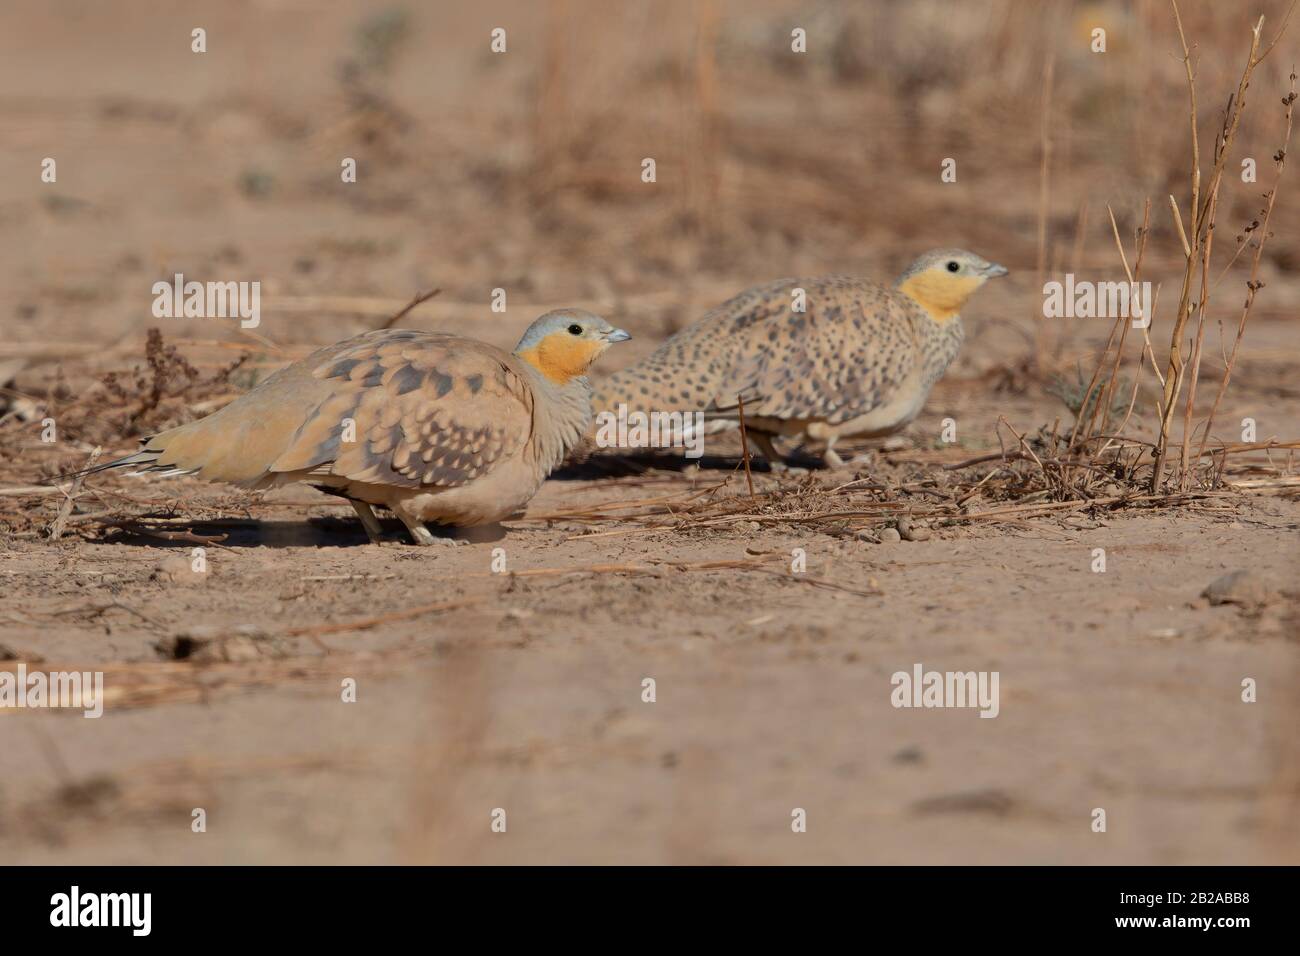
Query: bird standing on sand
point(432, 426)
point(858, 362)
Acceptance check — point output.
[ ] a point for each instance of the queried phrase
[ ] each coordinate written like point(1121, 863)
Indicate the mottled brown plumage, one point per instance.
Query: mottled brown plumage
point(435, 427)
point(858, 362)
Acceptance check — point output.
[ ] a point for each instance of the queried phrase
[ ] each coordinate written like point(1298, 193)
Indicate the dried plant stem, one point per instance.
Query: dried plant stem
point(1133, 275)
point(1197, 242)
point(65, 509)
point(744, 445)
point(1197, 345)
point(397, 316)
point(1081, 435)
point(1044, 202)
point(314, 631)
point(1108, 394)
point(1253, 284)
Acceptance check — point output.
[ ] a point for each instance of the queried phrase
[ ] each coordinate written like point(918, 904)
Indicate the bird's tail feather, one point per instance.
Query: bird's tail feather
point(146, 460)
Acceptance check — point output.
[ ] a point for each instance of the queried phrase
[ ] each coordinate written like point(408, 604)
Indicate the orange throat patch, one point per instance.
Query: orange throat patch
point(562, 357)
point(940, 295)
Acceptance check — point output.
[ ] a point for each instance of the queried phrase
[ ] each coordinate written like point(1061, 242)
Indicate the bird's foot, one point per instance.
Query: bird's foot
point(425, 537)
point(801, 460)
point(777, 463)
point(443, 536)
point(422, 534)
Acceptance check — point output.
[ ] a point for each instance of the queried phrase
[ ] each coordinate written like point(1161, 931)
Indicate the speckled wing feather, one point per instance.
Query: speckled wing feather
point(426, 409)
point(838, 359)
point(841, 358)
point(684, 373)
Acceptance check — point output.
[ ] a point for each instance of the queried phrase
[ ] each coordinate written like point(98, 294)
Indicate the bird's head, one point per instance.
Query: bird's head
point(941, 280)
point(563, 344)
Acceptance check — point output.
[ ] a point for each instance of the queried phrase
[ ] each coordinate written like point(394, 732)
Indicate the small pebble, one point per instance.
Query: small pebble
point(889, 535)
point(177, 569)
point(1240, 587)
point(909, 754)
point(908, 532)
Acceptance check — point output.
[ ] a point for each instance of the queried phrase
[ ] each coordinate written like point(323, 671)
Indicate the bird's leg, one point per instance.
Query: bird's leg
point(797, 461)
point(762, 442)
point(823, 435)
point(832, 459)
point(419, 533)
point(374, 531)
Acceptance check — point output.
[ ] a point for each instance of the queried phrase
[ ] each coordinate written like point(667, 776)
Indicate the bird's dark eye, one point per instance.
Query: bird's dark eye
point(954, 266)
point(575, 330)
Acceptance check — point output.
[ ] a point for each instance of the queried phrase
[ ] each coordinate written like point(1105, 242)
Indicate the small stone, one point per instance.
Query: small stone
point(910, 754)
point(990, 801)
point(1239, 587)
point(205, 643)
point(236, 649)
point(909, 532)
point(889, 535)
point(176, 569)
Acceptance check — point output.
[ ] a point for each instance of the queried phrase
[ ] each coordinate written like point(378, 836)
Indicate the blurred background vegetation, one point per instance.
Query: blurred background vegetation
point(522, 170)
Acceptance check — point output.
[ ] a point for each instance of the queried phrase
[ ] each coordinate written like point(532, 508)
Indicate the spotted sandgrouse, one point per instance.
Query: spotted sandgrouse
point(434, 427)
point(858, 361)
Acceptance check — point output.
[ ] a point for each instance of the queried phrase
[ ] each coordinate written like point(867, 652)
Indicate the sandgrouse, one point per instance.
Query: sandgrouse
point(857, 362)
point(435, 427)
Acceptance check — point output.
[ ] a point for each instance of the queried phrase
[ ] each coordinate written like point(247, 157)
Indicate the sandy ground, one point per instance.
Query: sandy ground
point(479, 691)
point(1119, 690)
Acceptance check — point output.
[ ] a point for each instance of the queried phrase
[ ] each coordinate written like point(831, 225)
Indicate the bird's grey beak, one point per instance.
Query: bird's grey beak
point(617, 335)
point(993, 270)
